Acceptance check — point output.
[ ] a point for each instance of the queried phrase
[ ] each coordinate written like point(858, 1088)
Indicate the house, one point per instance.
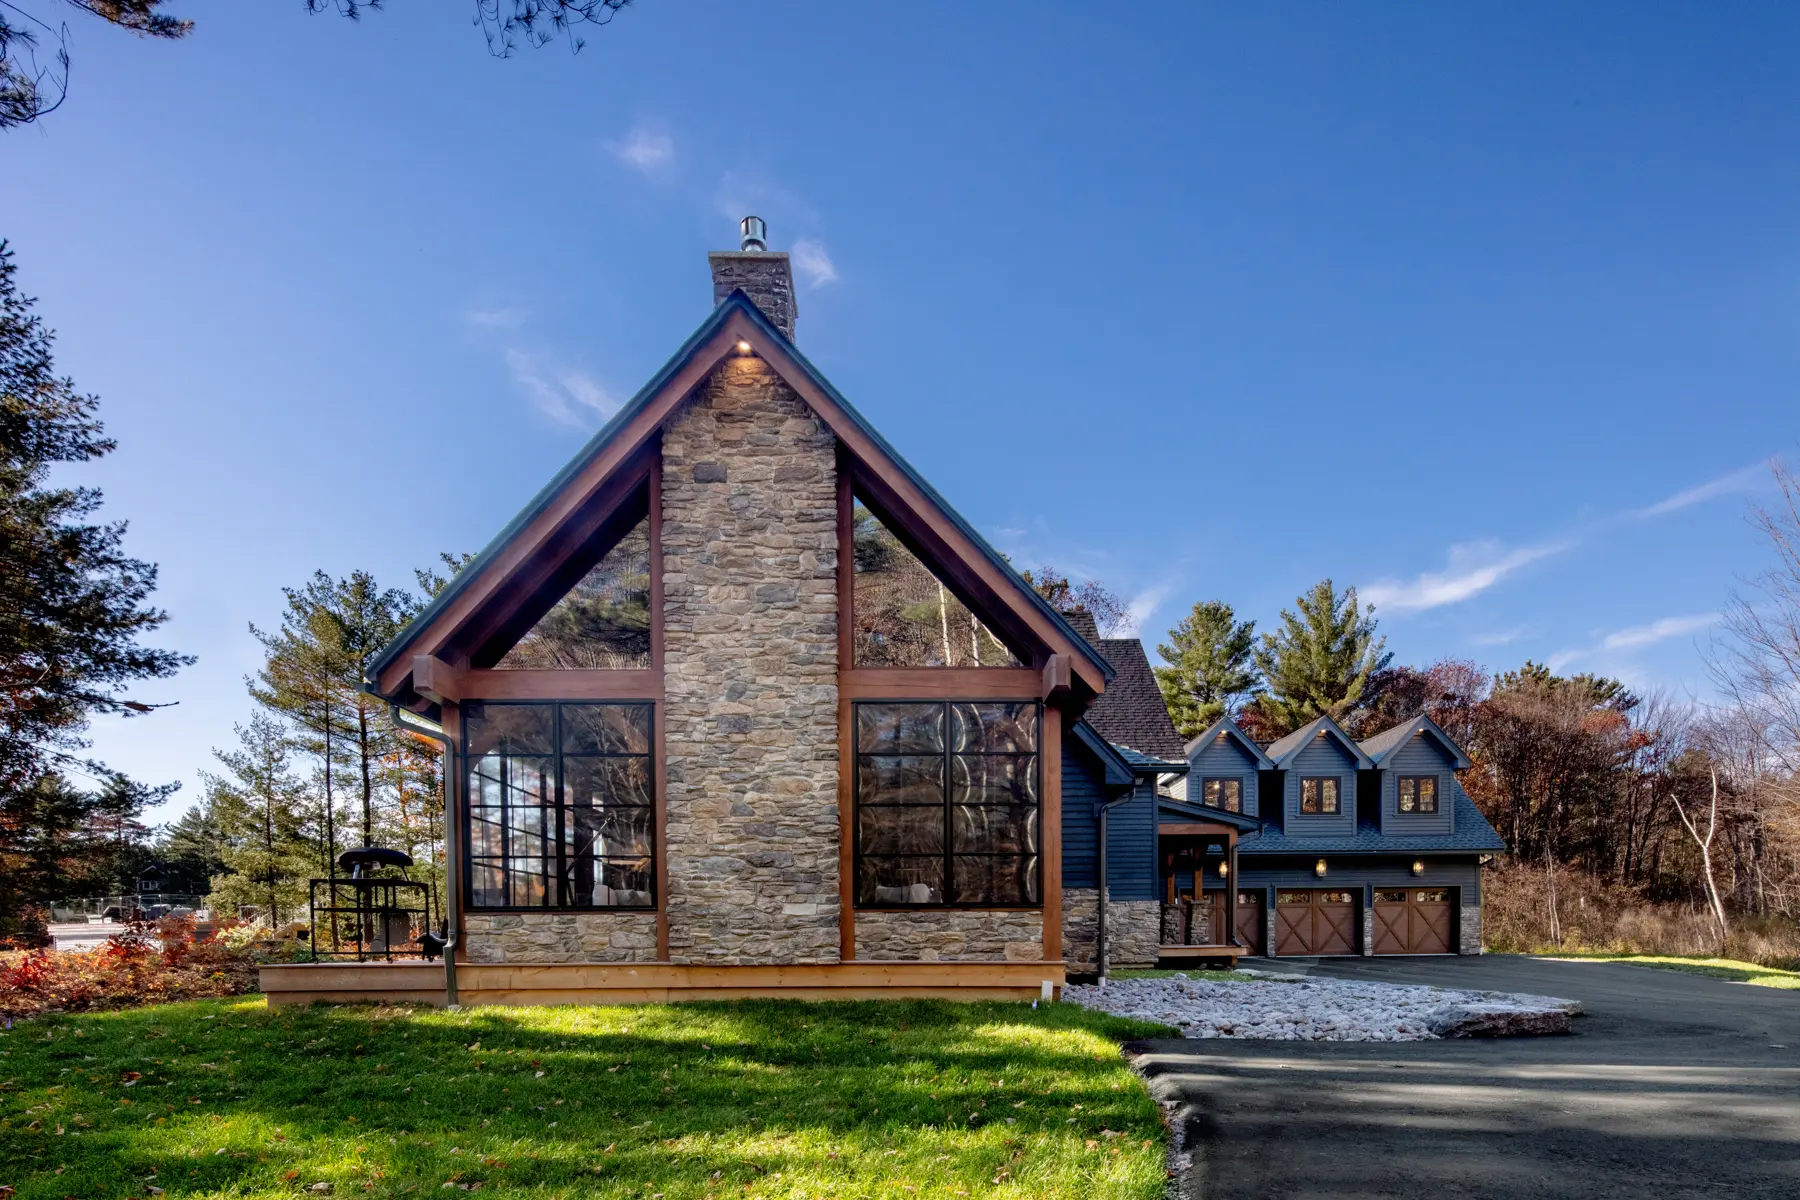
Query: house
point(739, 705)
point(1368, 847)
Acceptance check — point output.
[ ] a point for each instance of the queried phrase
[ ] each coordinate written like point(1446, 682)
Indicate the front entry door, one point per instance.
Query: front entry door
point(1315, 921)
point(1413, 921)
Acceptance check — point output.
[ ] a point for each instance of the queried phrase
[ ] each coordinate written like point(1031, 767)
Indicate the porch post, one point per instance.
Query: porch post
point(1231, 888)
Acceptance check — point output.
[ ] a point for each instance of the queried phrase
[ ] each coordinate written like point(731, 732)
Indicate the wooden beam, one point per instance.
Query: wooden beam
point(435, 679)
point(1208, 829)
point(561, 685)
point(1050, 792)
point(941, 683)
point(1056, 676)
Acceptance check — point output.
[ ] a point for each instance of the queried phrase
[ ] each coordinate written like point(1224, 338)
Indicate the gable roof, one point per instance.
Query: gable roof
point(634, 427)
point(1230, 728)
point(1115, 768)
point(1132, 712)
point(1379, 747)
point(1284, 750)
point(1181, 811)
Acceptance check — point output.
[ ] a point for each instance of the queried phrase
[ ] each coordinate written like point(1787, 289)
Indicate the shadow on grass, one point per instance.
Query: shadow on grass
point(754, 1097)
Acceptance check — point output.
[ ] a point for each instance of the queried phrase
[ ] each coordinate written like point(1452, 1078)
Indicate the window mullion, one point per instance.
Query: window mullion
point(949, 790)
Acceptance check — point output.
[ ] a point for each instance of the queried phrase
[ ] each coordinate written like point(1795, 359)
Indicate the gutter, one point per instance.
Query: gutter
point(1100, 932)
point(413, 723)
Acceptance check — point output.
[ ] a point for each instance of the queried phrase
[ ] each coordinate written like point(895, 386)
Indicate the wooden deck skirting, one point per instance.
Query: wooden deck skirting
point(654, 983)
point(1231, 952)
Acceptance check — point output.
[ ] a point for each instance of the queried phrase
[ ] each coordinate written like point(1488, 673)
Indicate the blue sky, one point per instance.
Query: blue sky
point(1487, 309)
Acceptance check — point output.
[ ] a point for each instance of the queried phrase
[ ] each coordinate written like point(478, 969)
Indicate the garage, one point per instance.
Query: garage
point(1414, 921)
point(1250, 920)
point(1315, 921)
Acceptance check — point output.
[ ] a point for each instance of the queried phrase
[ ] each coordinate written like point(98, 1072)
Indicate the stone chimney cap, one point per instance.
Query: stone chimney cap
point(756, 234)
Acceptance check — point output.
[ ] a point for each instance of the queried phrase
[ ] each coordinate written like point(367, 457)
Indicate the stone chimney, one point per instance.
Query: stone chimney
point(766, 277)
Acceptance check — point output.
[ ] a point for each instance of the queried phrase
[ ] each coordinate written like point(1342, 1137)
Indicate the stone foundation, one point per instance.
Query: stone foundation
point(749, 536)
point(1133, 933)
point(560, 937)
point(949, 935)
point(1080, 927)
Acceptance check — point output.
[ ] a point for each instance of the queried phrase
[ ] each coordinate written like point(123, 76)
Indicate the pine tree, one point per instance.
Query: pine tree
point(260, 810)
point(1210, 669)
point(1319, 662)
point(72, 603)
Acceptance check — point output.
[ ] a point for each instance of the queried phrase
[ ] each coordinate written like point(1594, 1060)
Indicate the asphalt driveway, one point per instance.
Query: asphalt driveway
point(1673, 1085)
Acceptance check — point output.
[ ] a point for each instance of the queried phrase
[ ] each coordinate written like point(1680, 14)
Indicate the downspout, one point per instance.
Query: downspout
point(452, 892)
point(1100, 933)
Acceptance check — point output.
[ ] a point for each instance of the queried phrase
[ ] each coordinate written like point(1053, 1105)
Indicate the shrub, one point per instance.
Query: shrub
point(145, 964)
point(1608, 918)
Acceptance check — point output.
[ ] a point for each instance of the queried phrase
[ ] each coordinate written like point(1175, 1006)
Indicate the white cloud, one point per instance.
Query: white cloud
point(1139, 608)
point(504, 317)
point(644, 149)
point(562, 393)
point(1474, 567)
point(813, 262)
point(1658, 631)
point(1745, 480)
point(1498, 638)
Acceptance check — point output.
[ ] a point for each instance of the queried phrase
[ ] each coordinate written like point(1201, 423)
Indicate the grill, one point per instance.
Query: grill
point(367, 913)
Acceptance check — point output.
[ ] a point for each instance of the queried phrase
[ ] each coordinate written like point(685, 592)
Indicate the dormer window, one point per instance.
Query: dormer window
point(1319, 795)
point(1227, 794)
point(1418, 793)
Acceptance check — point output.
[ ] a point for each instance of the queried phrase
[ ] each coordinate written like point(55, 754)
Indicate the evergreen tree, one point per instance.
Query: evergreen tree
point(1210, 671)
point(260, 810)
point(191, 851)
point(72, 603)
point(1320, 660)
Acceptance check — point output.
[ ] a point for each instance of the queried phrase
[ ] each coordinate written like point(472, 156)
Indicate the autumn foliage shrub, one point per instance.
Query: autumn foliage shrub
point(144, 964)
point(1593, 916)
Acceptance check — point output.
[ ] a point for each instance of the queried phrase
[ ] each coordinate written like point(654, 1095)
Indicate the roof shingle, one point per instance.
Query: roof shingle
point(1131, 712)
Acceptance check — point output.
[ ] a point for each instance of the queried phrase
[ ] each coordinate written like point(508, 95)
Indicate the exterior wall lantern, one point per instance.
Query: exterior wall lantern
point(1319, 868)
point(1224, 870)
point(1418, 867)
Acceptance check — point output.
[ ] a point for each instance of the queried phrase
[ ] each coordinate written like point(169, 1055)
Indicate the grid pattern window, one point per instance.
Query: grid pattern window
point(1227, 794)
point(561, 806)
point(947, 805)
point(1418, 793)
point(1319, 795)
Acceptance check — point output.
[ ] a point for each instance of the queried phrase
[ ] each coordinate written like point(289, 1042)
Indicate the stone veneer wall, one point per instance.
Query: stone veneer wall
point(949, 935)
point(749, 533)
point(560, 937)
point(1468, 929)
point(1133, 931)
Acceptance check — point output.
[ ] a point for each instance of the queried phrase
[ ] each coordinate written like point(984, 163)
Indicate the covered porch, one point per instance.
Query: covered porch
point(1199, 922)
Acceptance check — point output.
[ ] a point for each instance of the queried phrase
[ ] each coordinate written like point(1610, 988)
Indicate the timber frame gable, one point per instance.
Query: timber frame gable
point(446, 652)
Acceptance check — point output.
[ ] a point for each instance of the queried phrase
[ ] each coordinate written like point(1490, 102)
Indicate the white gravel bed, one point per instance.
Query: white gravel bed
point(1324, 1010)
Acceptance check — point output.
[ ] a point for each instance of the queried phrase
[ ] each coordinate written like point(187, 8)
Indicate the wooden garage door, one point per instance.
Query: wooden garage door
point(1250, 920)
point(1312, 921)
point(1413, 920)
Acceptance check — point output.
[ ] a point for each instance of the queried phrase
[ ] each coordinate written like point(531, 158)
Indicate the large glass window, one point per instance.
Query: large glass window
point(1319, 795)
point(561, 806)
point(603, 623)
point(947, 805)
point(1418, 793)
point(905, 616)
point(1227, 794)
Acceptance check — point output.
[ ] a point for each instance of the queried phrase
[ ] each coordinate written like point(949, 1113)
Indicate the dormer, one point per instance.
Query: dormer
point(1319, 763)
point(1223, 768)
point(1417, 762)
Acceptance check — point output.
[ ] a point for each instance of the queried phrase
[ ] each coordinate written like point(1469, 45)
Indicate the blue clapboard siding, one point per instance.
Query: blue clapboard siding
point(1131, 845)
point(1222, 758)
point(1082, 795)
point(1325, 756)
point(1353, 875)
point(1421, 755)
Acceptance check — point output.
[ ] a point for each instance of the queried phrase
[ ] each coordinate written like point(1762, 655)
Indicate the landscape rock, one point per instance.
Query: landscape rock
point(1326, 1010)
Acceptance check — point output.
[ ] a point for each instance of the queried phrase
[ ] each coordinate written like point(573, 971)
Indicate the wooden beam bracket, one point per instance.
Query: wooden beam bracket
point(1056, 676)
point(436, 680)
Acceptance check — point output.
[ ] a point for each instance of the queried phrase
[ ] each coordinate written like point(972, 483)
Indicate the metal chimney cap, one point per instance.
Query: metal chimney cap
point(756, 234)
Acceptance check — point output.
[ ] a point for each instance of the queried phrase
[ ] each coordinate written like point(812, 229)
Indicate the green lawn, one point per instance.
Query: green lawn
point(755, 1098)
point(1718, 968)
